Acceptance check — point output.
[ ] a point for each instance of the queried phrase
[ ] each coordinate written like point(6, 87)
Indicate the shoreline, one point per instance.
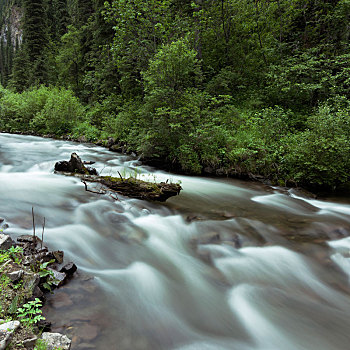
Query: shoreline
point(29, 271)
point(117, 147)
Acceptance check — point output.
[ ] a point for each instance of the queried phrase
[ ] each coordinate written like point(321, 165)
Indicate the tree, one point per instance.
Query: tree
point(70, 60)
point(172, 71)
point(35, 38)
point(141, 27)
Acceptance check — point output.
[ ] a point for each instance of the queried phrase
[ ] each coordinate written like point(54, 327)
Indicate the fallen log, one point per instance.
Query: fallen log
point(130, 187)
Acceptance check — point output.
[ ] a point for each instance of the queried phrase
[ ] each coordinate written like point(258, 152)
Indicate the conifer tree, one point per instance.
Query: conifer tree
point(35, 38)
point(19, 80)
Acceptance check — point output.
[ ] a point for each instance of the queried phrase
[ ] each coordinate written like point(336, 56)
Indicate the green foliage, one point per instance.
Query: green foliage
point(320, 156)
point(60, 113)
point(173, 70)
point(13, 253)
point(70, 59)
point(17, 110)
point(30, 313)
point(90, 132)
point(43, 271)
point(40, 345)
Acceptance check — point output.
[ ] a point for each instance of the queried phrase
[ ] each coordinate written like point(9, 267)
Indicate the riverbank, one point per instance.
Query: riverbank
point(112, 144)
point(28, 272)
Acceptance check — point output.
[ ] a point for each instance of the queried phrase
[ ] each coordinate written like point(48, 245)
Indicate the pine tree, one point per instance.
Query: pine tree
point(35, 38)
point(19, 80)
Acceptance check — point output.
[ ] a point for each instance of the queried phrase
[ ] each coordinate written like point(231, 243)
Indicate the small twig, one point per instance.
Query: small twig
point(87, 190)
point(121, 176)
point(101, 192)
point(2, 266)
point(102, 169)
point(42, 234)
point(34, 236)
point(114, 197)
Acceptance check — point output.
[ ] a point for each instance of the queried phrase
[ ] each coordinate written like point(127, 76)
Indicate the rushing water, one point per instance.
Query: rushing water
point(224, 265)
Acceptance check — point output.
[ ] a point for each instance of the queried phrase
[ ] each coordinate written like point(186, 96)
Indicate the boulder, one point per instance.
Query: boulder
point(75, 165)
point(31, 281)
point(58, 255)
point(6, 242)
point(28, 239)
point(6, 331)
point(56, 341)
point(59, 277)
point(69, 269)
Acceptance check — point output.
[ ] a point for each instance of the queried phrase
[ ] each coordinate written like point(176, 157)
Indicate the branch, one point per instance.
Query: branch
point(101, 192)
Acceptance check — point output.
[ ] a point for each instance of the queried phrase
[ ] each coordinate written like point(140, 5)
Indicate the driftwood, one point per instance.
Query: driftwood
point(129, 187)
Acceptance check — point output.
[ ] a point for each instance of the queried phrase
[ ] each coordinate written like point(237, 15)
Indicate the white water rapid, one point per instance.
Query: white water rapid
point(226, 264)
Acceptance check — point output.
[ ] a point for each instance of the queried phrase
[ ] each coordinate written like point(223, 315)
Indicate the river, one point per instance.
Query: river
point(226, 264)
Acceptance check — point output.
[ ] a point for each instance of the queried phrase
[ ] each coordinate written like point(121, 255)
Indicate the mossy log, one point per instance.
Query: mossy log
point(129, 187)
point(135, 188)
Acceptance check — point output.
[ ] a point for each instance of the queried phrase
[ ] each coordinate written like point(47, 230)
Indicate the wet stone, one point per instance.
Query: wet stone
point(37, 292)
point(6, 242)
point(59, 277)
point(28, 239)
point(69, 268)
point(6, 331)
point(58, 255)
point(56, 340)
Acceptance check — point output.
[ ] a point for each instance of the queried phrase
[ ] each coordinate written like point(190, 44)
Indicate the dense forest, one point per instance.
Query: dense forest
point(246, 88)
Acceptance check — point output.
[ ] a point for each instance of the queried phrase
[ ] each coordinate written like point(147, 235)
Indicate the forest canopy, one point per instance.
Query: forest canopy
point(246, 88)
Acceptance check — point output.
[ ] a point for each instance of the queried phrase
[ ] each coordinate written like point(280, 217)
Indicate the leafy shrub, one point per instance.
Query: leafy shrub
point(86, 129)
point(320, 156)
point(61, 112)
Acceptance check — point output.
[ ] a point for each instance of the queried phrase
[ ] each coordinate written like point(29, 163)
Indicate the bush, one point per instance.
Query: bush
point(18, 110)
point(86, 129)
point(320, 156)
point(61, 112)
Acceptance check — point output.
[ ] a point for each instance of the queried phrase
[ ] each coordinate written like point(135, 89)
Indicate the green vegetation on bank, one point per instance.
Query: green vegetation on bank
point(14, 303)
point(237, 87)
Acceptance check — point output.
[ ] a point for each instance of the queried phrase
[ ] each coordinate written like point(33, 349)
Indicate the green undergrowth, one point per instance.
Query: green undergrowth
point(16, 298)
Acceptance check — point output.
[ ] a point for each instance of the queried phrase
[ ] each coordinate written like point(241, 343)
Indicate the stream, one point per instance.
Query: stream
point(227, 264)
